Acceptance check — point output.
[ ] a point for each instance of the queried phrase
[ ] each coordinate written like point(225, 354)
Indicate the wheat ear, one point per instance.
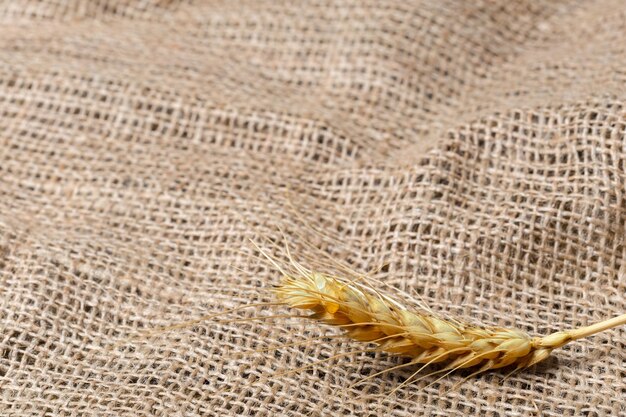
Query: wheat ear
point(367, 315)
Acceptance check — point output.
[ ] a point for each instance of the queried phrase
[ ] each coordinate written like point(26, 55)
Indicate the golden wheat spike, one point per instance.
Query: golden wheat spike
point(368, 316)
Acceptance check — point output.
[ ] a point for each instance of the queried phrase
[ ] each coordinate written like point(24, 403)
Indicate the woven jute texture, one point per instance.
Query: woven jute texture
point(475, 149)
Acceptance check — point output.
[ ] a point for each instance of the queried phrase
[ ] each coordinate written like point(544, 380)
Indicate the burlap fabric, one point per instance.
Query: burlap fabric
point(477, 148)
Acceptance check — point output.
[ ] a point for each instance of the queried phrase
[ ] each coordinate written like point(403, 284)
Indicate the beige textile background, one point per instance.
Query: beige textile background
point(478, 148)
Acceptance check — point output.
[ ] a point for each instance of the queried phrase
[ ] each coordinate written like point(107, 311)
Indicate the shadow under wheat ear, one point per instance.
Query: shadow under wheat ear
point(366, 315)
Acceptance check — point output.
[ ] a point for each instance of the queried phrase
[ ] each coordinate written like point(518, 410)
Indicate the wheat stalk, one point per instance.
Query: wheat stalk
point(367, 315)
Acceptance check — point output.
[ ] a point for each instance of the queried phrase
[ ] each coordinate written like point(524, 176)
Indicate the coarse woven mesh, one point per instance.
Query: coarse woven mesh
point(476, 148)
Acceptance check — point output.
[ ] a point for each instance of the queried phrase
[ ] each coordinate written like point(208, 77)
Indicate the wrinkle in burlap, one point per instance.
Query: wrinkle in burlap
point(476, 148)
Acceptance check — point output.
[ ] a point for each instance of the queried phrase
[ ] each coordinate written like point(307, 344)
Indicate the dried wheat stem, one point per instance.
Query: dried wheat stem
point(367, 315)
point(598, 327)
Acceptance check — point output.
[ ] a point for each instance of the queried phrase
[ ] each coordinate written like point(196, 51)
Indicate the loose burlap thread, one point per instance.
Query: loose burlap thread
point(475, 149)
